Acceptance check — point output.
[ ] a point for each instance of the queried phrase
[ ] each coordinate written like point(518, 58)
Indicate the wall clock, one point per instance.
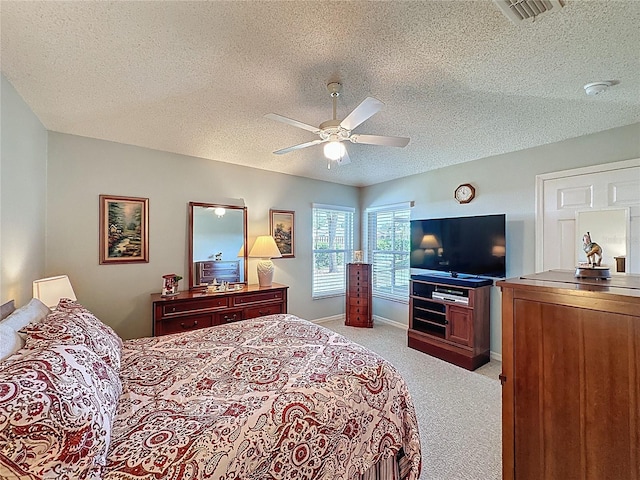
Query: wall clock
point(464, 193)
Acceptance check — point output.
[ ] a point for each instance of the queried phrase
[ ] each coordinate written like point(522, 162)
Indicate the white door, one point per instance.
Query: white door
point(560, 195)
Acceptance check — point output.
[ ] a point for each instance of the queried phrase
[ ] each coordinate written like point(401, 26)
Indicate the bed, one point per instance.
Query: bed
point(275, 397)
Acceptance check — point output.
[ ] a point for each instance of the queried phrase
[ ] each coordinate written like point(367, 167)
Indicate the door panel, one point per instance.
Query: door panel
point(561, 195)
point(460, 325)
point(574, 366)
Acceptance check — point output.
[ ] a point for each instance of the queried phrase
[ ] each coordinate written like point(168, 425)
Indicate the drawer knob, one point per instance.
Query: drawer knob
point(186, 327)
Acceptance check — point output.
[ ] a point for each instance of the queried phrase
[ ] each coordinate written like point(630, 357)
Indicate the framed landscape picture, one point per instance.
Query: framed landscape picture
point(281, 225)
point(124, 229)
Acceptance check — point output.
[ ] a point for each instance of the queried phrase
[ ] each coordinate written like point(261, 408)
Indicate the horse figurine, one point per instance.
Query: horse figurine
point(592, 249)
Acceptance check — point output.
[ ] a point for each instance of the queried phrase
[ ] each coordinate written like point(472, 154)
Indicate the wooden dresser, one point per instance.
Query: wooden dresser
point(571, 377)
point(358, 308)
point(194, 309)
point(222, 271)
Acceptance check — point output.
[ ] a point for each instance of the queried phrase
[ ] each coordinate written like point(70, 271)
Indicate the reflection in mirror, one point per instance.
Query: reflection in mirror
point(609, 228)
point(217, 239)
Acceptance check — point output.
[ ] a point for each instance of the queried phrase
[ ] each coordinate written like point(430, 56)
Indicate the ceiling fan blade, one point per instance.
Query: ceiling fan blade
point(369, 107)
point(289, 121)
point(380, 140)
point(344, 159)
point(298, 147)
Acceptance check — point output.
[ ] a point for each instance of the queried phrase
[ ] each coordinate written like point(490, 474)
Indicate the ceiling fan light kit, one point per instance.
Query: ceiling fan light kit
point(333, 132)
point(334, 150)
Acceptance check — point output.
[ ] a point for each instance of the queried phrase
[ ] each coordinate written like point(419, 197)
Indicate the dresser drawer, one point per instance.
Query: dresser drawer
point(361, 291)
point(220, 272)
point(257, 297)
point(184, 324)
point(195, 306)
point(262, 310)
point(358, 310)
point(228, 316)
point(360, 320)
point(358, 301)
point(358, 279)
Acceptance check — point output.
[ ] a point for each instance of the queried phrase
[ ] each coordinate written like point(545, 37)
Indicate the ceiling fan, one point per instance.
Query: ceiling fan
point(333, 132)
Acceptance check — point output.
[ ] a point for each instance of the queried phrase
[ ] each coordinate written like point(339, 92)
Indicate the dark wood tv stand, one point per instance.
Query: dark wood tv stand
point(449, 318)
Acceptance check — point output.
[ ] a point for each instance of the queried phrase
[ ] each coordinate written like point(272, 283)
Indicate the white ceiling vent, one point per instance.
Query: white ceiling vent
point(520, 10)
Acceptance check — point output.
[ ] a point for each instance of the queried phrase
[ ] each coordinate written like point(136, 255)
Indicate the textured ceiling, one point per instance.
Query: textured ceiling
point(196, 78)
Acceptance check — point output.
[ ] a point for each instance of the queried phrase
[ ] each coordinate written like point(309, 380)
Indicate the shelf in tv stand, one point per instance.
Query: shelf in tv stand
point(453, 325)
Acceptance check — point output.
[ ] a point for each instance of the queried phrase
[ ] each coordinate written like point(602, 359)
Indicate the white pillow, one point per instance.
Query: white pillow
point(34, 311)
point(10, 340)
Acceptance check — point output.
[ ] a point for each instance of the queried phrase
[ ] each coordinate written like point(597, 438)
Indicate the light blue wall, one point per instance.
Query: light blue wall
point(23, 187)
point(80, 169)
point(504, 184)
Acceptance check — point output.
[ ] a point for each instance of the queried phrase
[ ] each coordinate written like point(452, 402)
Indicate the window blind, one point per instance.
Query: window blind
point(332, 248)
point(388, 246)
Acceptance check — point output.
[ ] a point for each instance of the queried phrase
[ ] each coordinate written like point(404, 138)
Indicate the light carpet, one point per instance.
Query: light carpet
point(459, 412)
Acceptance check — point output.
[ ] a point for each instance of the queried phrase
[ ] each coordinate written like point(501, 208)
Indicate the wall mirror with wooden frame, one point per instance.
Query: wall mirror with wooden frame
point(217, 244)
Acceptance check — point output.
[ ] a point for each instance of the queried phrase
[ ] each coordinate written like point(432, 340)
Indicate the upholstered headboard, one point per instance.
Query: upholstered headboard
point(6, 309)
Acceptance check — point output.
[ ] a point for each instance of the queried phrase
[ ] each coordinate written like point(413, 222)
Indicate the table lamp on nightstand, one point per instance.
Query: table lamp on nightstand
point(50, 290)
point(266, 249)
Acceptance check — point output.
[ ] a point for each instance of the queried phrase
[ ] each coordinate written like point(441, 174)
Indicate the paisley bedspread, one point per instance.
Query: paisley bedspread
point(276, 397)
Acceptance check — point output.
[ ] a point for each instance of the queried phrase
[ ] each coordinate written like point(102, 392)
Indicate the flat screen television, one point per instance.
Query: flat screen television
point(462, 245)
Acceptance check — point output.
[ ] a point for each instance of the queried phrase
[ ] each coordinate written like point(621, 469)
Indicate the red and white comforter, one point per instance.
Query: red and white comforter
point(270, 398)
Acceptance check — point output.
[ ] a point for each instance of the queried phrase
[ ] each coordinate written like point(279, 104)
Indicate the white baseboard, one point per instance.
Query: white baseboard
point(328, 319)
point(496, 356)
point(376, 318)
point(388, 321)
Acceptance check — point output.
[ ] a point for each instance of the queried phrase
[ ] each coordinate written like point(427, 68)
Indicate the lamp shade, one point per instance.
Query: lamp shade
point(265, 247)
point(430, 241)
point(50, 290)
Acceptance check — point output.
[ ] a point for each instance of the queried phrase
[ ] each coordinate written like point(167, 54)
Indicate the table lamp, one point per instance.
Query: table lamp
point(50, 290)
point(266, 249)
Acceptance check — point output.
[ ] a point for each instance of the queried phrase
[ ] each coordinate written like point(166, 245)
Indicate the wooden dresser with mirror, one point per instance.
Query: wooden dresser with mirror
point(217, 251)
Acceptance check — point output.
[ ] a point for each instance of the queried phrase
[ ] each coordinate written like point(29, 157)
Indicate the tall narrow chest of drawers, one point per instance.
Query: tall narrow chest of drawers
point(358, 309)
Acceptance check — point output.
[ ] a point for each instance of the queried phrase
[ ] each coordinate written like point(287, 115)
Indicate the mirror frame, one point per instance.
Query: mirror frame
point(244, 227)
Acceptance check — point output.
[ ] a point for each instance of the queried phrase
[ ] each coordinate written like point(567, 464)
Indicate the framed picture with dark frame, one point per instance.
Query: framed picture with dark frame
point(124, 229)
point(281, 225)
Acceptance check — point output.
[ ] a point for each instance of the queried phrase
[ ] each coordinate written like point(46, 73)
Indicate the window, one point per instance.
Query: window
point(388, 245)
point(332, 248)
